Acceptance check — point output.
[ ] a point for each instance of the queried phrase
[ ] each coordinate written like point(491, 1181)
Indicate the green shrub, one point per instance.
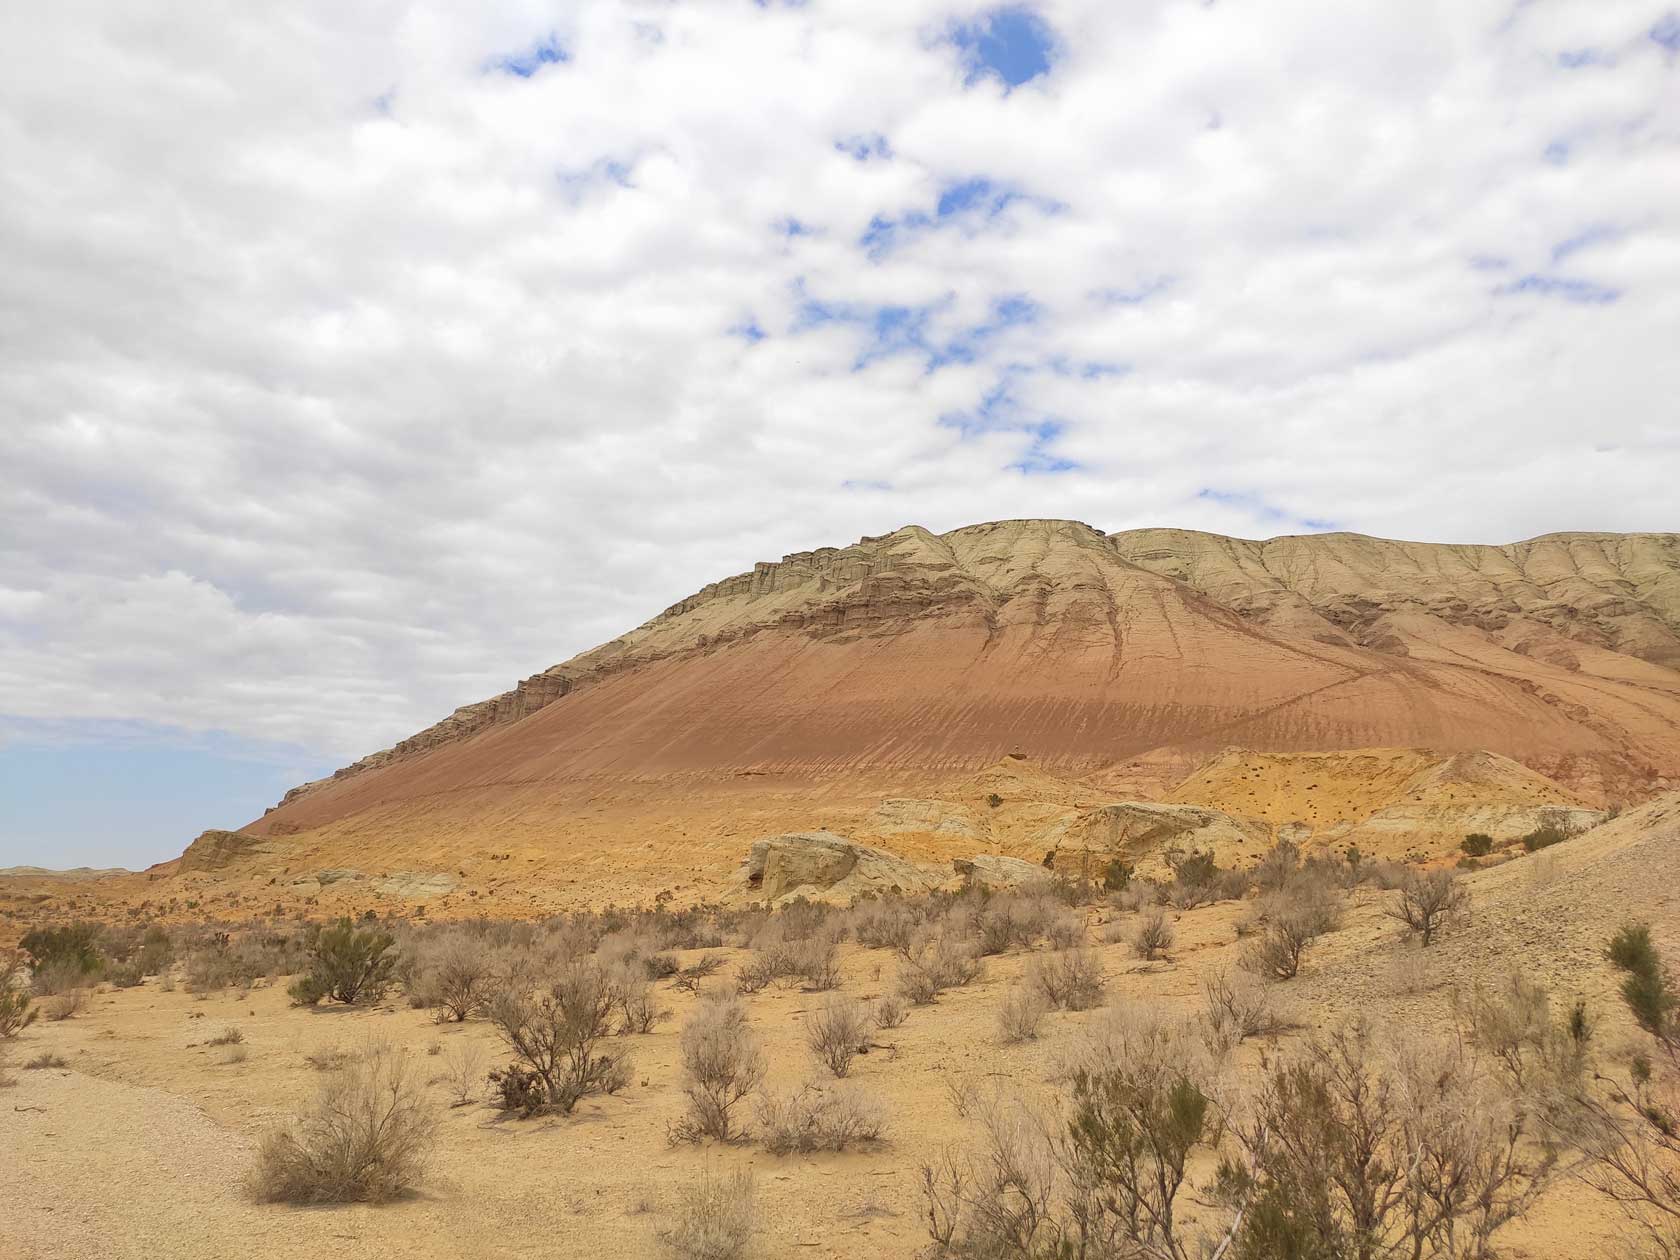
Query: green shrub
point(1647, 989)
point(16, 1011)
point(1544, 837)
point(348, 965)
point(1477, 844)
point(73, 945)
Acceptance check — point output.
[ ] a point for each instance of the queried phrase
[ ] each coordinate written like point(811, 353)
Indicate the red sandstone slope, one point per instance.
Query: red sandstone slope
point(915, 657)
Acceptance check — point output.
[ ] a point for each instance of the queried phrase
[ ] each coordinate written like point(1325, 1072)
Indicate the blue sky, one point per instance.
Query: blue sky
point(350, 380)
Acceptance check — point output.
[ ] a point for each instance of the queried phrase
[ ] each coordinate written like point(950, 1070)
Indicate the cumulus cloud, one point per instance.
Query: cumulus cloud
point(357, 360)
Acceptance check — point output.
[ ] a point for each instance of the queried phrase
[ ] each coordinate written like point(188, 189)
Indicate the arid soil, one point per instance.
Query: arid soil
point(139, 1148)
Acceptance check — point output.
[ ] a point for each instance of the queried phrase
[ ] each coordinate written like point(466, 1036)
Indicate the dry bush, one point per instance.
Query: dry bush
point(367, 1139)
point(1236, 1008)
point(463, 1071)
point(816, 961)
point(638, 1011)
point(455, 977)
point(46, 1059)
point(1070, 979)
point(1140, 894)
point(1428, 901)
point(890, 1011)
point(1065, 930)
point(1276, 955)
point(884, 924)
point(722, 1064)
point(16, 1010)
point(937, 961)
point(555, 1035)
point(1022, 1010)
point(1153, 936)
point(328, 1058)
point(1408, 1148)
point(815, 1118)
point(754, 974)
point(836, 1033)
point(65, 1004)
point(704, 968)
point(58, 977)
point(1278, 866)
point(229, 1036)
point(715, 1217)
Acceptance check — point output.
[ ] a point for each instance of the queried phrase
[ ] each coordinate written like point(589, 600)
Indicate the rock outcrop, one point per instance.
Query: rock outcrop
point(1143, 831)
point(991, 870)
point(823, 866)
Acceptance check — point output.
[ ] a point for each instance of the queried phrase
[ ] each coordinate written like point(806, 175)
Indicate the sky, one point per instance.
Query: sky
point(359, 360)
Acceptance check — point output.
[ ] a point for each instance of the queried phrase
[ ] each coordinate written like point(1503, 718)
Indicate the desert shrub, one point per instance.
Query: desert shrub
point(722, 1064)
point(1631, 1134)
point(703, 968)
point(632, 996)
point(454, 978)
point(1276, 955)
point(347, 964)
point(836, 1033)
point(935, 963)
point(1647, 989)
point(1153, 936)
point(1104, 1179)
point(1140, 894)
point(715, 1216)
point(463, 1069)
point(47, 1059)
point(661, 966)
point(1019, 1014)
point(1117, 873)
point(884, 925)
point(16, 1009)
point(1359, 1148)
point(754, 974)
point(1278, 866)
point(814, 1118)
point(555, 1034)
point(1544, 837)
point(890, 1011)
point(70, 949)
point(367, 1139)
point(816, 961)
point(229, 1036)
point(1195, 877)
point(124, 975)
point(1235, 1009)
point(65, 1004)
point(1477, 844)
point(1069, 979)
point(61, 975)
point(1064, 931)
point(1427, 901)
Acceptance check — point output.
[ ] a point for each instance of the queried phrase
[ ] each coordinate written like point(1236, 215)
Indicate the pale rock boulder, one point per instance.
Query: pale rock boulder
point(824, 866)
point(991, 870)
point(1135, 830)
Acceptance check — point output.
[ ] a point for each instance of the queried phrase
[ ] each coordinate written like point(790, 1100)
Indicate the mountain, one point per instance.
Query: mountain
point(801, 694)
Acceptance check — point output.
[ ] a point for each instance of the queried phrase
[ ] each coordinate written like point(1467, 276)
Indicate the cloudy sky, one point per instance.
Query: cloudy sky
point(357, 360)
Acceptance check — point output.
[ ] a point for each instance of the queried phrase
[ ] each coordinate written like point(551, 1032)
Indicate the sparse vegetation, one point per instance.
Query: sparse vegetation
point(1428, 901)
point(347, 964)
point(1477, 845)
point(1544, 837)
point(723, 1063)
point(836, 1033)
point(1069, 979)
point(46, 1059)
point(1022, 1010)
point(367, 1139)
point(890, 1011)
point(17, 1011)
point(817, 1118)
point(555, 1034)
point(715, 1217)
point(1153, 936)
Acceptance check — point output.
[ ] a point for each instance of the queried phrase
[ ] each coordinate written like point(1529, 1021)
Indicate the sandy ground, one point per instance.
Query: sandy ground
point(139, 1148)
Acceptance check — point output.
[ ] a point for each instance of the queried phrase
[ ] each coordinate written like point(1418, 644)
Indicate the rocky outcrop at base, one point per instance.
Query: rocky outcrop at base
point(824, 866)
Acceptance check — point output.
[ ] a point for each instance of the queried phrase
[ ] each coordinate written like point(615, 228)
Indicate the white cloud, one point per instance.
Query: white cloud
point(344, 378)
